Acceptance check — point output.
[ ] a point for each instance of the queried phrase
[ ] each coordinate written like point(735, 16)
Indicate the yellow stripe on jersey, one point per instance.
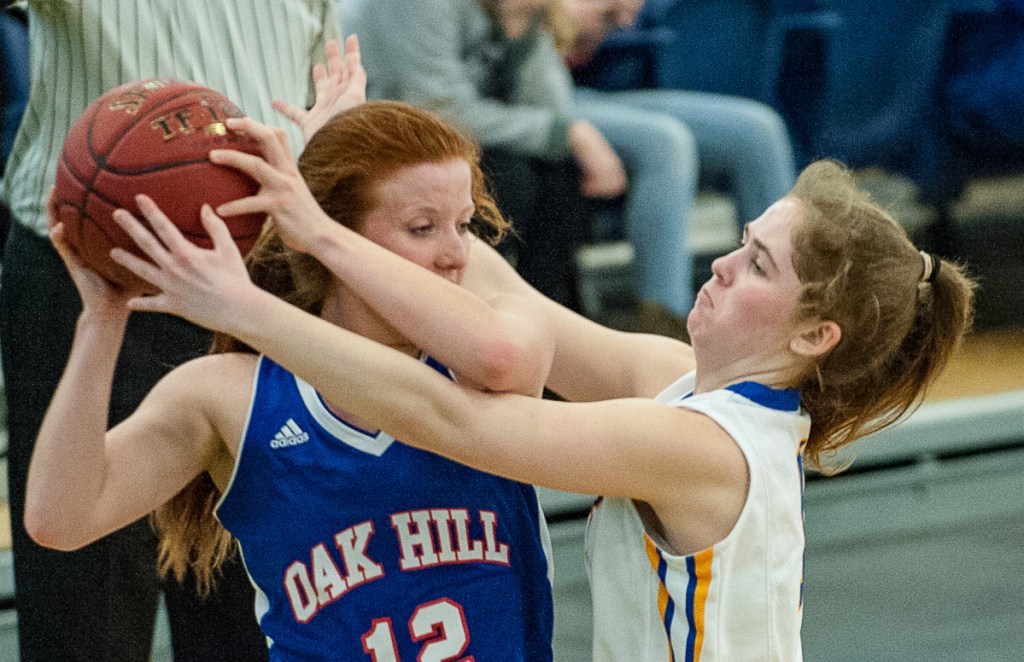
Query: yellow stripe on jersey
point(698, 584)
point(665, 605)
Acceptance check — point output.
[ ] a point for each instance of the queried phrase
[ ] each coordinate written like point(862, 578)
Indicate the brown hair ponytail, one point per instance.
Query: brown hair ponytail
point(859, 269)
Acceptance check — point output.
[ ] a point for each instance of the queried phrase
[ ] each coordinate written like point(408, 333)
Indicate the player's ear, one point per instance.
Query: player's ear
point(816, 338)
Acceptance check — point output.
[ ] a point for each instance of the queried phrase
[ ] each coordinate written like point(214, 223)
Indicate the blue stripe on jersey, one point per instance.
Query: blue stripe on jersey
point(691, 617)
point(803, 518)
point(437, 365)
point(766, 396)
point(670, 607)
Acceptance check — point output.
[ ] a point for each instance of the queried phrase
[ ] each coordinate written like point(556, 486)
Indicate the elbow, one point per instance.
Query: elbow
point(499, 368)
point(507, 368)
point(47, 529)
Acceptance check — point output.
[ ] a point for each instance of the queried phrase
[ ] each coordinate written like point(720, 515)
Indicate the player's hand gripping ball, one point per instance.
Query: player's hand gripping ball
point(151, 136)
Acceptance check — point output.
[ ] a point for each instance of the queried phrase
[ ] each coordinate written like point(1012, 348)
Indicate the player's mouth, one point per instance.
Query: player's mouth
point(703, 296)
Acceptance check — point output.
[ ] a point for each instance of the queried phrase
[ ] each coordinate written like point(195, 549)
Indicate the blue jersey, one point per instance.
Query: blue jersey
point(363, 548)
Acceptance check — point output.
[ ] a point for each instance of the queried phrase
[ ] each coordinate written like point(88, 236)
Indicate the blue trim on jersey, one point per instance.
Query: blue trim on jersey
point(691, 617)
point(437, 365)
point(766, 396)
point(670, 605)
point(803, 518)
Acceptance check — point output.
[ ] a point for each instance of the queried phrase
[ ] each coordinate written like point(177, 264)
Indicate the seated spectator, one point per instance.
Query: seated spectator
point(666, 139)
point(493, 68)
point(496, 68)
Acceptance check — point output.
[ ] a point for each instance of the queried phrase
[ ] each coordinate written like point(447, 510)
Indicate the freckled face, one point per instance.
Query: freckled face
point(749, 306)
point(423, 214)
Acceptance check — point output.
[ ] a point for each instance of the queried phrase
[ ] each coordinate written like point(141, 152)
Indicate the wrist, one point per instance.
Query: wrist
point(102, 329)
point(103, 317)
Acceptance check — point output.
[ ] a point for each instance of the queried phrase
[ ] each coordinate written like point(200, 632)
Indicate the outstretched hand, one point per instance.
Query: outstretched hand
point(340, 84)
point(208, 287)
point(283, 193)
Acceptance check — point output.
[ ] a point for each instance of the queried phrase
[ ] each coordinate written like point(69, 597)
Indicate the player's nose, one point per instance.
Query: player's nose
point(453, 254)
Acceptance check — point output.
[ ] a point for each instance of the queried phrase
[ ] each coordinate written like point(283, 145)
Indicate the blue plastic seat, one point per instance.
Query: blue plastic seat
point(882, 75)
point(772, 51)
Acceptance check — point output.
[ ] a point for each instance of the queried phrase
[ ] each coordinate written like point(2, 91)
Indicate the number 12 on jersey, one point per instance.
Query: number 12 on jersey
point(440, 626)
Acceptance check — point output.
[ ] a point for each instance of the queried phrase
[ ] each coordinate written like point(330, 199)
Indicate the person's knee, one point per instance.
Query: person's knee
point(662, 144)
point(762, 123)
point(667, 133)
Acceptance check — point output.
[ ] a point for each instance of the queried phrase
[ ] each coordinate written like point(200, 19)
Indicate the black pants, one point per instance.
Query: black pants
point(551, 217)
point(98, 603)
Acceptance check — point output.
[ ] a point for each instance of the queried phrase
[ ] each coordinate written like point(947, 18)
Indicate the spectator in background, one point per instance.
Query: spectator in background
point(493, 68)
point(666, 138)
point(100, 603)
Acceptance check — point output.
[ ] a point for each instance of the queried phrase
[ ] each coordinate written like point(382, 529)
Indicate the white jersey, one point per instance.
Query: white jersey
point(742, 598)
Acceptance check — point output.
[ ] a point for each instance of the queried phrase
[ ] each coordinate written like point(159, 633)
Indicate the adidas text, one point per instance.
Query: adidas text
point(289, 435)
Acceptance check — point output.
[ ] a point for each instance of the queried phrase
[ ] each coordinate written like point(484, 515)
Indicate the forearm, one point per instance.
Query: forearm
point(388, 389)
point(591, 362)
point(68, 465)
point(493, 348)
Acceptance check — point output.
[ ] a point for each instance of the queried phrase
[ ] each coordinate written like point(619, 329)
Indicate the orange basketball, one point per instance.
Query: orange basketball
point(151, 136)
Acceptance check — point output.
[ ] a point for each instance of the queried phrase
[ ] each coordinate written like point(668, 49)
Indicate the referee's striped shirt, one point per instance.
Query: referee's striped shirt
point(252, 51)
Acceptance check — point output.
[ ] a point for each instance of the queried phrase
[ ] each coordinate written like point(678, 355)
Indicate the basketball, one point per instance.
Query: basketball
point(153, 137)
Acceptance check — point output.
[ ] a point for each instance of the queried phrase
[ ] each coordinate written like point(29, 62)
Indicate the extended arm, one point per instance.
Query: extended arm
point(83, 481)
point(591, 361)
point(636, 448)
point(339, 84)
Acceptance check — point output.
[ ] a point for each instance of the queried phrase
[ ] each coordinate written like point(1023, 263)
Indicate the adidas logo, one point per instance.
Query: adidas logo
point(290, 435)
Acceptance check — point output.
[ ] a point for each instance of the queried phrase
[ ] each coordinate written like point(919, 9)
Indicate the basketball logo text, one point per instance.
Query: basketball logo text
point(185, 121)
point(131, 101)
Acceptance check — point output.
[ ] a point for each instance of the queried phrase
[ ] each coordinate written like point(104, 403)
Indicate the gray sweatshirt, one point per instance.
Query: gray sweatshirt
point(451, 57)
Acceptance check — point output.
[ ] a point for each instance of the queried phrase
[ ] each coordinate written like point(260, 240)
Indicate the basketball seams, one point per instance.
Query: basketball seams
point(101, 161)
point(90, 188)
point(190, 234)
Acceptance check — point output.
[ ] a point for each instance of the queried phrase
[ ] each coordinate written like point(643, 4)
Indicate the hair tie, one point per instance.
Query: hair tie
point(932, 264)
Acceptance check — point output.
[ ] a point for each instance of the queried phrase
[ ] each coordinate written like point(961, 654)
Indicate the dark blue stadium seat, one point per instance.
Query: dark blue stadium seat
point(857, 80)
point(882, 75)
point(884, 104)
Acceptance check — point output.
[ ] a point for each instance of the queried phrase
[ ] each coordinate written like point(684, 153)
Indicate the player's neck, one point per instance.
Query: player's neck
point(350, 312)
point(350, 418)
